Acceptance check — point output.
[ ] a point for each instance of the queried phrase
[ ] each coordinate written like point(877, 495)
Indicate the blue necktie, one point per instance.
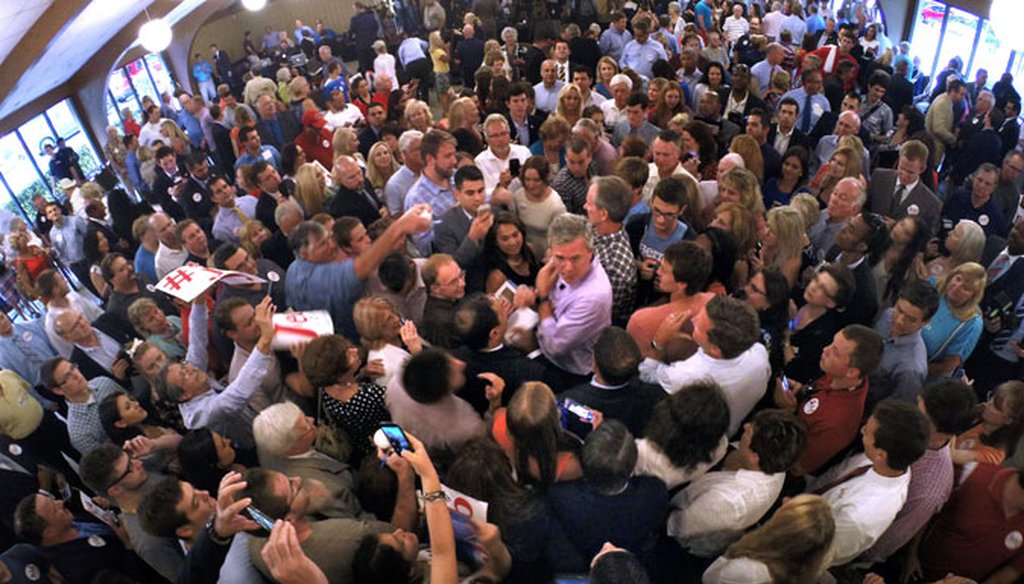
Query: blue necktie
point(805, 119)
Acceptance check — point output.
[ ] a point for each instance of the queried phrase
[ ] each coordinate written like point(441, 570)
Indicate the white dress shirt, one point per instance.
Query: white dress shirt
point(743, 379)
point(863, 507)
point(737, 571)
point(651, 461)
point(168, 259)
point(716, 508)
point(491, 166)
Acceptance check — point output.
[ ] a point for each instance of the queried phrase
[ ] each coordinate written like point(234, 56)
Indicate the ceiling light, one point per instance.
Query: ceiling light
point(254, 4)
point(155, 35)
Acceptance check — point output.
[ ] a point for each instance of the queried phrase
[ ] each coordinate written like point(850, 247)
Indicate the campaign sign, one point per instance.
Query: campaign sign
point(292, 328)
point(189, 282)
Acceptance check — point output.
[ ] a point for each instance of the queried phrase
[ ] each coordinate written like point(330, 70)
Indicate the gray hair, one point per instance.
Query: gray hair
point(614, 196)
point(274, 428)
point(862, 194)
point(567, 228)
point(284, 75)
point(587, 124)
point(407, 138)
point(675, 7)
point(495, 119)
point(621, 78)
point(509, 29)
point(288, 208)
point(298, 240)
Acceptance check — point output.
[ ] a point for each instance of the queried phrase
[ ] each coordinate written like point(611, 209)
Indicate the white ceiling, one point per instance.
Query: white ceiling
point(18, 17)
point(73, 47)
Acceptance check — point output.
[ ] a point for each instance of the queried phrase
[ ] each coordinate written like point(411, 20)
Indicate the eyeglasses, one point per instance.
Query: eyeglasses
point(127, 470)
point(664, 214)
point(74, 367)
point(457, 279)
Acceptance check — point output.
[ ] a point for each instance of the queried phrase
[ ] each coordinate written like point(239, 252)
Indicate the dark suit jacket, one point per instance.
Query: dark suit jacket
point(290, 128)
point(899, 94)
point(201, 210)
point(265, 207)
point(881, 189)
point(1010, 134)
point(112, 327)
point(532, 122)
point(863, 307)
point(1012, 283)
point(631, 405)
point(222, 64)
point(161, 195)
point(363, 205)
point(507, 363)
point(439, 323)
point(451, 236)
point(276, 249)
point(367, 138)
point(772, 161)
point(225, 154)
point(797, 139)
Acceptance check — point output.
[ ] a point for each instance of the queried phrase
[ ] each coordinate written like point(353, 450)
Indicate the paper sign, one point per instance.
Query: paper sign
point(465, 505)
point(104, 515)
point(291, 328)
point(188, 282)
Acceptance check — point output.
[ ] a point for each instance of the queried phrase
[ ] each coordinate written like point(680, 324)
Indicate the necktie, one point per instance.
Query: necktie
point(805, 118)
point(998, 265)
point(897, 199)
point(561, 72)
point(241, 215)
point(846, 477)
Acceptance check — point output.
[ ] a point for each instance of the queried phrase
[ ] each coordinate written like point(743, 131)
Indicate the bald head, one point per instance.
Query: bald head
point(163, 225)
point(848, 124)
point(347, 172)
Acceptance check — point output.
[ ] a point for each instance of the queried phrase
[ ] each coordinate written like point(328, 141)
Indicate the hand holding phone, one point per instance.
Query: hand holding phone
point(396, 437)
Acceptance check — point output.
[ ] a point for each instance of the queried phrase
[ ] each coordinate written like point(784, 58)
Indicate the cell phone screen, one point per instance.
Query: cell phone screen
point(513, 166)
point(259, 517)
point(396, 437)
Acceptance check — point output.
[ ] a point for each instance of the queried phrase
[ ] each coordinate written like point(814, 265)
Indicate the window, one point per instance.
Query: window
point(926, 34)
point(25, 167)
point(991, 55)
point(958, 39)
point(126, 87)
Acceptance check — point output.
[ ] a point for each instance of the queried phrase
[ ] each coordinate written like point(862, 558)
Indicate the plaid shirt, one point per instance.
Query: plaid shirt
point(84, 427)
point(572, 190)
point(617, 259)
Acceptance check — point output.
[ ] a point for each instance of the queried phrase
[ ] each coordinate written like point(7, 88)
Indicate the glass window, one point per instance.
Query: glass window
point(161, 75)
point(961, 28)
point(121, 89)
point(926, 34)
point(17, 170)
point(37, 133)
point(67, 125)
point(113, 116)
point(140, 80)
point(992, 55)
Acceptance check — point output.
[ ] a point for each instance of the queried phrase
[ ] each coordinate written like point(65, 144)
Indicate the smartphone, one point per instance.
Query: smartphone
point(785, 384)
point(579, 410)
point(513, 166)
point(396, 437)
point(259, 517)
point(483, 209)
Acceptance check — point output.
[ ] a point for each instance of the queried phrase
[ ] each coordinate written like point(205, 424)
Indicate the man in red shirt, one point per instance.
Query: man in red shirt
point(980, 532)
point(315, 140)
point(832, 407)
point(831, 55)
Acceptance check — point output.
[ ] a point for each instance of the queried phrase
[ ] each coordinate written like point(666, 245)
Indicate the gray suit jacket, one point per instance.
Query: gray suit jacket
point(451, 236)
point(880, 198)
point(335, 475)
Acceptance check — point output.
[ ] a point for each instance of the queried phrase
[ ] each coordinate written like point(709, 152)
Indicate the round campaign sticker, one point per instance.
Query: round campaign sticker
point(96, 541)
point(811, 406)
point(273, 276)
point(327, 144)
point(26, 336)
point(913, 210)
point(151, 287)
point(983, 220)
point(198, 197)
point(1013, 540)
point(14, 449)
point(32, 572)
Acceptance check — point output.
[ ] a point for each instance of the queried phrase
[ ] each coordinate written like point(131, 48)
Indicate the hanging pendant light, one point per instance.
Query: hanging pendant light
point(155, 34)
point(254, 5)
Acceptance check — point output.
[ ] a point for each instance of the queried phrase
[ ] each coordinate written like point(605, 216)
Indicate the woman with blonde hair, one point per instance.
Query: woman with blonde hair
point(965, 243)
point(742, 226)
point(655, 87)
point(310, 188)
point(441, 61)
point(747, 147)
point(417, 116)
point(380, 167)
point(953, 331)
point(346, 143)
point(737, 185)
point(783, 239)
point(176, 138)
point(795, 546)
point(530, 432)
point(570, 104)
point(463, 118)
point(845, 162)
point(553, 134)
point(606, 69)
point(382, 334)
point(251, 236)
point(779, 84)
point(156, 327)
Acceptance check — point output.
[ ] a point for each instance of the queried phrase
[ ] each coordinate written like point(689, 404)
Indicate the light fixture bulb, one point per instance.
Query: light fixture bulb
point(254, 4)
point(155, 35)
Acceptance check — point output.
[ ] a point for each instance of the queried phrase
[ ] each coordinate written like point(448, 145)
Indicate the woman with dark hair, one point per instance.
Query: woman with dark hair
point(509, 257)
point(206, 457)
point(123, 213)
point(907, 238)
point(768, 293)
point(481, 470)
point(697, 137)
point(817, 321)
point(778, 190)
point(123, 418)
point(531, 434)
point(498, 96)
point(722, 247)
point(96, 247)
point(713, 79)
point(396, 105)
point(360, 92)
point(1000, 425)
point(292, 158)
point(686, 435)
point(537, 204)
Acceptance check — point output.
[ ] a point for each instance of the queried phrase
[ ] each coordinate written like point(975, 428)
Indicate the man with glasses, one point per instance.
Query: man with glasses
point(83, 397)
point(97, 346)
point(847, 200)
point(832, 406)
point(445, 281)
point(119, 475)
point(495, 161)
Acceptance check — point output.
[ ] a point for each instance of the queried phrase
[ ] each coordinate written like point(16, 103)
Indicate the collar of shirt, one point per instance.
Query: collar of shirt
point(598, 385)
point(909, 187)
point(905, 340)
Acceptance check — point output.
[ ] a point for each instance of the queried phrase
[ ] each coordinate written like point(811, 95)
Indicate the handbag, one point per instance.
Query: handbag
point(331, 438)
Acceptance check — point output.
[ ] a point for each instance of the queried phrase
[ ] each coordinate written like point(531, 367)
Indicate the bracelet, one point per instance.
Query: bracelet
point(655, 346)
point(213, 533)
point(434, 496)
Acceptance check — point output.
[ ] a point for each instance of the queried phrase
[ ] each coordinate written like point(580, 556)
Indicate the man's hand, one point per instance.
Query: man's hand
point(670, 328)
point(120, 369)
point(524, 296)
point(417, 219)
point(993, 325)
point(647, 268)
point(480, 226)
point(227, 521)
point(265, 320)
point(373, 369)
point(786, 400)
point(546, 277)
point(287, 562)
point(493, 390)
point(505, 178)
point(411, 337)
point(139, 446)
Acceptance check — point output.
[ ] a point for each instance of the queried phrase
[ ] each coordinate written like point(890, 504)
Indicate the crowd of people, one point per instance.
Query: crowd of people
point(713, 292)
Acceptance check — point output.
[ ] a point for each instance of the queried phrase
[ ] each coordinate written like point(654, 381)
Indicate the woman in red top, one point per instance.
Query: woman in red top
point(30, 262)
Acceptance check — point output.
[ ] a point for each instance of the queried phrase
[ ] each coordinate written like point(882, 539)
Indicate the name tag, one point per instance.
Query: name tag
point(267, 155)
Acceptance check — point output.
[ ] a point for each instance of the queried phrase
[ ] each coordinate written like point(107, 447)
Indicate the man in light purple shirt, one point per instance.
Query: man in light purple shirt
point(574, 298)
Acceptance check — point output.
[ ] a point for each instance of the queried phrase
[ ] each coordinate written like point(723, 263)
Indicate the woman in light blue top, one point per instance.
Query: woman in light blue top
point(951, 334)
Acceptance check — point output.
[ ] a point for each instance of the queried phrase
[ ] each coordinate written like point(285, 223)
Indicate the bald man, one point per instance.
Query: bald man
point(848, 124)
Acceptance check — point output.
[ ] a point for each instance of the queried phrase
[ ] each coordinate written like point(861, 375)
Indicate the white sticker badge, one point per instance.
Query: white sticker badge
point(273, 276)
point(1013, 540)
point(32, 572)
point(14, 449)
point(811, 406)
point(983, 220)
point(198, 197)
point(96, 541)
point(913, 210)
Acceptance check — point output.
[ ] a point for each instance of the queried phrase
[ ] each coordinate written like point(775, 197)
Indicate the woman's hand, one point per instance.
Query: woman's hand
point(418, 458)
point(287, 562)
point(411, 337)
